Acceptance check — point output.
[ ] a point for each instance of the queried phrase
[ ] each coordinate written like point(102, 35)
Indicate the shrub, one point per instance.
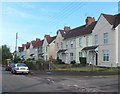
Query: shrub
point(40, 61)
point(57, 61)
point(30, 63)
point(72, 62)
point(16, 60)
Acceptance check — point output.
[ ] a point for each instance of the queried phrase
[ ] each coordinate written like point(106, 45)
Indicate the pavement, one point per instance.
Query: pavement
point(65, 73)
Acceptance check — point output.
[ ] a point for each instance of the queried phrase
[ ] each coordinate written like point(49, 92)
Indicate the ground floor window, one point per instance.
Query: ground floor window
point(71, 56)
point(80, 54)
point(105, 55)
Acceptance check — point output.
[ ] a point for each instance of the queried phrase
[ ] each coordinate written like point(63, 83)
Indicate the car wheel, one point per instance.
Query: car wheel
point(12, 71)
point(26, 73)
point(15, 72)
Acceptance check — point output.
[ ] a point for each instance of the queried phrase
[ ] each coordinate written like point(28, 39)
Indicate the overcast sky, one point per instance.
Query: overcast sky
point(35, 19)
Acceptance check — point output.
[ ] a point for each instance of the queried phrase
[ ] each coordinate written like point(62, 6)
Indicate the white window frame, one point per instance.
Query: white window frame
point(58, 45)
point(71, 43)
point(80, 54)
point(66, 44)
point(96, 39)
point(106, 38)
point(106, 56)
point(80, 42)
point(71, 56)
point(61, 45)
point(87, 41)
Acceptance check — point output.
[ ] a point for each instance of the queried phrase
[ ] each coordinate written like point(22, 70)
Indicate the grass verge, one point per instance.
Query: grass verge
point(88, 69)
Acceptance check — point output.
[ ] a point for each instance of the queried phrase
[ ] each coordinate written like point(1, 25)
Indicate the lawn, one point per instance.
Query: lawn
point(87, 69)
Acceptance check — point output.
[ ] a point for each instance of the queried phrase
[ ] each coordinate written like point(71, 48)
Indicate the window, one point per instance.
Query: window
point(66, 44)
point(57, 45)
point(46, 49)
point(96, 39)
point(86, 41)
point(80, 54)
point(80, 42)
point(61, 45)
point(71, 56)
point(105, 38)
point(105, 55)
point(71, 43)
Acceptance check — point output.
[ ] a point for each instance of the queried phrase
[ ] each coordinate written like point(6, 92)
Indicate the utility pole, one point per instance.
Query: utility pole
point(16, 45)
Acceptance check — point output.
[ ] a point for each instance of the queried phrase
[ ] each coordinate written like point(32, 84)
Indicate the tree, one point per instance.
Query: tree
point(6, 54)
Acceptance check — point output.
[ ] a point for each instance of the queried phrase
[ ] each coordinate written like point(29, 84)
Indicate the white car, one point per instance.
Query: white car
point(20, 68)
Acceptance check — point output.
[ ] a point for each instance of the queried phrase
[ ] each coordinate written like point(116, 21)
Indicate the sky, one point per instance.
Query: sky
point(33, 20)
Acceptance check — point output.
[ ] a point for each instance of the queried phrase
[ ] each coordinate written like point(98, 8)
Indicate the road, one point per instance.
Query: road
point(58, 83)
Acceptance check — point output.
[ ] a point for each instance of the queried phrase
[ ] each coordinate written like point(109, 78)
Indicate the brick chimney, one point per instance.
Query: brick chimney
point(37, 39)
point(66, 28)
point(47, 35)
point(23, 45)
point(89, 20)
point(28, 43)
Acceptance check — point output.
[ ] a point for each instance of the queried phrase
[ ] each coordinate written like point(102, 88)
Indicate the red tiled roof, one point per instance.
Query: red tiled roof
point(50, 39)
point(37, 43)
point(109, 18)
point(20, 49)
point(82, 30)
point(113, 19)
point(27, 45)
point(117, 20)
point(63, 33)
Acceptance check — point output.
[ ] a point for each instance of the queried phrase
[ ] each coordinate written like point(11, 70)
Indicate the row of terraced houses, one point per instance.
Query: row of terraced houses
point(98, 41)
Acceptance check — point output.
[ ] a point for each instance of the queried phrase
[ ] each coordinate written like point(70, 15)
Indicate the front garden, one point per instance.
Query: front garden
point(58, 65)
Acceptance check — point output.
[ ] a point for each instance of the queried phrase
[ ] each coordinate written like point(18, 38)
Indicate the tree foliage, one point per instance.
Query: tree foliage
point(6, 54)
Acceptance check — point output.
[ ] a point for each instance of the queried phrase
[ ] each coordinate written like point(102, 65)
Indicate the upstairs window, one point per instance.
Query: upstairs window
point(46, 49)
point(105, 38)
point(80, 42)
point(57, 45)
point(61, 45)
point(66, 44)
point(86, 41)
point(96, 39)
point(71, 43)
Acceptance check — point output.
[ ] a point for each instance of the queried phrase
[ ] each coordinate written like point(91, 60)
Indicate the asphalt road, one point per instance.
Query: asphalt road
point(58, 83)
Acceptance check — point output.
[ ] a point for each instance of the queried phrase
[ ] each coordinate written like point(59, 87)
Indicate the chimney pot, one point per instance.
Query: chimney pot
point(89, 20)
point(66, 28)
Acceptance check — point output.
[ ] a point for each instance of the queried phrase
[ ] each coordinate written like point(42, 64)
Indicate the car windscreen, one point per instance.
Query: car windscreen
point(11, 64)
point(21, 65)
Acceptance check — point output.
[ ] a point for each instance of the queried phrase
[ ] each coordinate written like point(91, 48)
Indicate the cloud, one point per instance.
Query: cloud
point(28, 5)
point(49, 10)
point(15, 12)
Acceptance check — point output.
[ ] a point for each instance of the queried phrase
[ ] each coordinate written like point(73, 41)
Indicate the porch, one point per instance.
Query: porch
point(63, 55)
point(92, 55)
